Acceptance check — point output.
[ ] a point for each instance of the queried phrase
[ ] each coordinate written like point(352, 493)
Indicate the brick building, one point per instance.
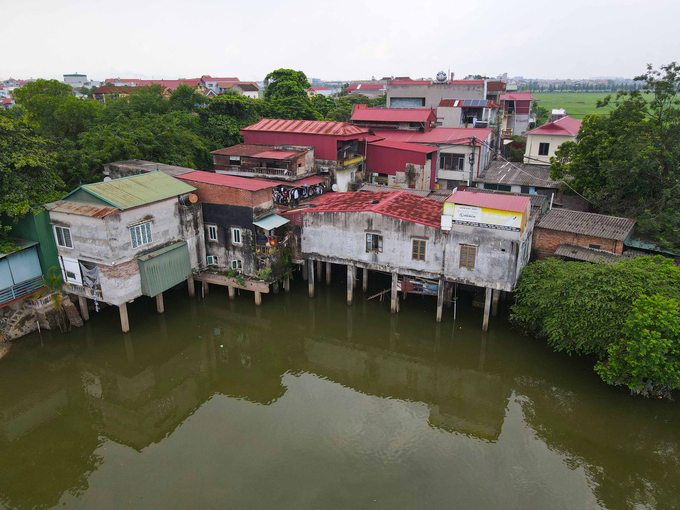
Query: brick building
point(561, 229)
point(240, 227)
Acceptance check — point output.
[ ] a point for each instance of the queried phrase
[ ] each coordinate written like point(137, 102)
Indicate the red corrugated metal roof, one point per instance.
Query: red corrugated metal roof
point(81, 208)
point(565, 126)
point(251, 149)
point(518, 96)
point(309, 127)
point(229, 181)
point(276, 154)
point(410, 82)
point(394, 115)
point(411, 147)
point(206, 77)
point(490, 201)
point(396, 204)
point(439, 135)
point(467, 82)
point(495, 86)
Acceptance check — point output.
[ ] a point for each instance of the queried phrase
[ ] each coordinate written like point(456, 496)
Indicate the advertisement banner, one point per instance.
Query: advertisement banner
point(488, 218)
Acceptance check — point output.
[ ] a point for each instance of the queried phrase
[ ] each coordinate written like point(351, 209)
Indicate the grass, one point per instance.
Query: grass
point(577, 104)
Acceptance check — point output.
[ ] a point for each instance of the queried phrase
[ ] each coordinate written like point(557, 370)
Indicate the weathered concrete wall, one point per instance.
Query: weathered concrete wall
point(341, 238)
point(435, 92)
point(107, 242)
point(531, 155)
point(546, 242)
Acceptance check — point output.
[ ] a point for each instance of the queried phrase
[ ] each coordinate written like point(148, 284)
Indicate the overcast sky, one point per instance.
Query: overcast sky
point(346, 40)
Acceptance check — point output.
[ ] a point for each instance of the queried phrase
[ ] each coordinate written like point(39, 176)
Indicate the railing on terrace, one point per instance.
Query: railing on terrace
point(81, 290)
point(20, 290)
point(263, 170)
point(351, 160)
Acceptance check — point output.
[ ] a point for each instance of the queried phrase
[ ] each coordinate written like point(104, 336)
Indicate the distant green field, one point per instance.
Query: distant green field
point(577, 104)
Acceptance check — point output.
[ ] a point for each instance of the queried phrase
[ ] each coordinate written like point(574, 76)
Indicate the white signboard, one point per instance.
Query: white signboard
point(467, 213)
point(447, 222)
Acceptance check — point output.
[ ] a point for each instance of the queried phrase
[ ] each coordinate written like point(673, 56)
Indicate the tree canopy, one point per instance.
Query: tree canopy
point(628, 163)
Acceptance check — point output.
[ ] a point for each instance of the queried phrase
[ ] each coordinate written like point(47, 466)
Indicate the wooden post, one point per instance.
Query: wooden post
point(440, 299)
point(394, 294)
point(84, 312)
point(304, 270)
point(206, 288)
point(328, 273)
point(191, 287)
point(319, 270)
point(404, 294)
point(258, 298)
point(487, 309)
point(364, 280)
point(310, 277)
point(275, 287)
point(124, 322)
point(160, 307)
point(448, 294)
point(232, 292)
point(286, 283)
point(494, 303)
point(350, 283)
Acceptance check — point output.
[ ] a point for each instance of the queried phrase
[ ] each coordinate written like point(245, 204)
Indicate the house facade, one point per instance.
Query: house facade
point(399, 164)
point(516, 111)
point(125, 238)
point(467, 113)
point(241, 231)
point(474, 239)
point(286, 162)
point(337, 145)
point(407, 93)
point(543, 141)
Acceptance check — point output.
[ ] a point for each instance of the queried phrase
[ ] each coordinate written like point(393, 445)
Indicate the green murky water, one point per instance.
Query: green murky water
point(313, 404)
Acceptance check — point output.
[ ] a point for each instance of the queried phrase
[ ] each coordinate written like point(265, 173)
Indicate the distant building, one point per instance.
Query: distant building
point(467, 113)
point(516, 109)
point(407, 93)
point(248, 89)
point(581, 235)
point(370, 90)
point(209, 84)
point(126, 238)
point(319, 91)
point(543, 141)
point(109, 92)
point(75, 80)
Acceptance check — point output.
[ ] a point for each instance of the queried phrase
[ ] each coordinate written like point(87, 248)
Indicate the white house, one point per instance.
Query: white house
point(543, 141)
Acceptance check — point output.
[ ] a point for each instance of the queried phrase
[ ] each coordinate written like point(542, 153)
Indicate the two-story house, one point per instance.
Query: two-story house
point(127, 238)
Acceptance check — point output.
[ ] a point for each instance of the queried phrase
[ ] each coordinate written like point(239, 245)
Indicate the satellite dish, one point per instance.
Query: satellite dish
point(107, 179)
point(335, 187)
point(441, 76)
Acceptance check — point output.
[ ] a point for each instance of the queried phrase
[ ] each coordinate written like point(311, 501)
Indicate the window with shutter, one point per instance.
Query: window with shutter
point(63, 236)
point(468, 255)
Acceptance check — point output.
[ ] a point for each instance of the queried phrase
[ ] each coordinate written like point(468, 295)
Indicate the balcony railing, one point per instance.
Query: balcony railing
point(81, 290)
point(351, 160)
point(20, 290)
point(279, 172)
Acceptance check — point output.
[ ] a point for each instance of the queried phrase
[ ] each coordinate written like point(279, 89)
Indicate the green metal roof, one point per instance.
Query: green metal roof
point(271, 222)
point(129, 192)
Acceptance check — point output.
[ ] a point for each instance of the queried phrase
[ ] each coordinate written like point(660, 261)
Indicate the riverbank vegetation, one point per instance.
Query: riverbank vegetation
point(626, 315)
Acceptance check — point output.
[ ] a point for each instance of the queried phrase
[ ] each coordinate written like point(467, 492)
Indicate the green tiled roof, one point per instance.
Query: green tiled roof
point(129, 192)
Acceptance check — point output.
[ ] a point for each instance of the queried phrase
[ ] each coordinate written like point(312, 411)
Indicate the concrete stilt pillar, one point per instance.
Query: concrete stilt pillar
point(190, 286)
point(84, 312)
point(440, 299)
point(350, 283)
point(364, 280)
point(310, 277)
point(328, 273)
point(448, 294)
point(275, 287)
point(404, 294)
point(350, 324)
point(232, 292)
point(160, 307)
point(304, 270)
point(129, 351)
point(319, 270)
point(206, 288)
point(286, 283)
point(394, 294)
point(487, 309)
point(258, 298)
point(124, 322)
point(494, 302)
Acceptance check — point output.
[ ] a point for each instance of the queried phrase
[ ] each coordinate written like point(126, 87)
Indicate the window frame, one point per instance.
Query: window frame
point(467, 248)
point(70, 237)
point(234, 230)
point(146, 225)
point(215, 261)
point(420, 252)
point(547, 148)
point(452, 156)
point(374, 247)
point(212, 228)
point(237, 265)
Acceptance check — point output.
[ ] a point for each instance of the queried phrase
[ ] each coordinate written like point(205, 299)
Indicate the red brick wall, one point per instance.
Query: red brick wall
point(214, 194)
point(546, 242)
point(125, 270)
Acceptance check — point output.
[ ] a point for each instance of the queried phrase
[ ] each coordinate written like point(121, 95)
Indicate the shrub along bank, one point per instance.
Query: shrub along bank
point(627, 314)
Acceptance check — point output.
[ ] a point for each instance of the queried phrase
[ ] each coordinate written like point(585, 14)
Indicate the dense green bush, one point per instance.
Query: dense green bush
point(607, 310)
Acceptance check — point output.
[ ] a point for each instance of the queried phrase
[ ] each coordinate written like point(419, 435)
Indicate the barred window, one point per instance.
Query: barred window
point(141, 234)
point(212, 233)
point(63, 236)
point(374, 242)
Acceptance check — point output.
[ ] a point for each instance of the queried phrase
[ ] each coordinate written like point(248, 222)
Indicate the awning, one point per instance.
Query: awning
point(271, 222)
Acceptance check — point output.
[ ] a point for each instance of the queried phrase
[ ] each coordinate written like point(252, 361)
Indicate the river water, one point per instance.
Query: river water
point(310, 404)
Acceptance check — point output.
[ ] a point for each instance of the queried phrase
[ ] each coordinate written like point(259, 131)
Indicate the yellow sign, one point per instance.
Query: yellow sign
point(483, 217)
